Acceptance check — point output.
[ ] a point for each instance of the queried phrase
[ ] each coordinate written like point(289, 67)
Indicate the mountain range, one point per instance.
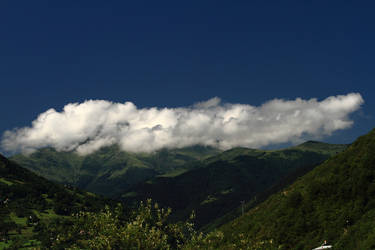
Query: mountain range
point(219, 184)
point(109, 171)
point(200, 179)
point(294, 198)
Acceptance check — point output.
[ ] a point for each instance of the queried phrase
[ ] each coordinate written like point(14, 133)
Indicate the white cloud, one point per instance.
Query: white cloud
point(86, 127)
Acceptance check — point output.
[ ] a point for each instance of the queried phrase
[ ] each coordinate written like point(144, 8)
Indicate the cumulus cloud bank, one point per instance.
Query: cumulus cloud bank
point(88, 126)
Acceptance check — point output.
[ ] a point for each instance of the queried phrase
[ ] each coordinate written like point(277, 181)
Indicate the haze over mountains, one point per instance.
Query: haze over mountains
point(88, 126)
point(205, 180)
point(187, 159)
point(110, 171)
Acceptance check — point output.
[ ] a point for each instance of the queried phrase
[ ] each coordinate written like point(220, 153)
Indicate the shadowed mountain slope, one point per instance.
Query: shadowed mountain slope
point(221, 182)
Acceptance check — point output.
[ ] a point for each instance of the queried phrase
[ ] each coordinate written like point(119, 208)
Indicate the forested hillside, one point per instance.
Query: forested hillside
point(334, 202)
point(28, 201)
point(218, 184)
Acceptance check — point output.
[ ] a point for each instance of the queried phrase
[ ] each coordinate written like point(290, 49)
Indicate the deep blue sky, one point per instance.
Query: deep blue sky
point(175, 53)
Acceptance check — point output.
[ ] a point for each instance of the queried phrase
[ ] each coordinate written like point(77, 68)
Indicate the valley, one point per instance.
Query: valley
point(275, 199)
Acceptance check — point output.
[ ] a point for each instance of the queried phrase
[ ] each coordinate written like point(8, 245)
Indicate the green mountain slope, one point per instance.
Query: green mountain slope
point(27, 200)
point(110, 170)
point(334, 202)
point(221, 182)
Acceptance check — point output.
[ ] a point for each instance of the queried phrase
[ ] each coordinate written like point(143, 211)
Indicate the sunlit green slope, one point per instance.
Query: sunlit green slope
point(110, 170)
point(334, 202)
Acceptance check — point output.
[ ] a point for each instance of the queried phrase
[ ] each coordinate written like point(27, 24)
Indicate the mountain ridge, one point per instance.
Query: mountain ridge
point(220, 182)
point(110, 170)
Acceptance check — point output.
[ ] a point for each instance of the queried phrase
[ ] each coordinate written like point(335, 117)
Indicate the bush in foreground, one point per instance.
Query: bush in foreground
point(145, 228)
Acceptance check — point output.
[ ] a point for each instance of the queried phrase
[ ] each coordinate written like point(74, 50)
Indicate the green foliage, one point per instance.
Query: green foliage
point(144, 228)
point(334, 202)
point(26, 200)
